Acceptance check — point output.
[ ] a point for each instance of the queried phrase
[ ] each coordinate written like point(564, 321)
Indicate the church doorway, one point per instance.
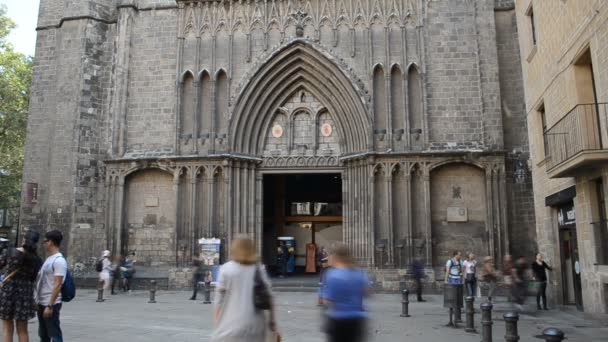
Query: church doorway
point(304, 211)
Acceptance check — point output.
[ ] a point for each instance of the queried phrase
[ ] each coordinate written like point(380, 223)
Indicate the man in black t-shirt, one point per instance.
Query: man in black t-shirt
point(540, 275)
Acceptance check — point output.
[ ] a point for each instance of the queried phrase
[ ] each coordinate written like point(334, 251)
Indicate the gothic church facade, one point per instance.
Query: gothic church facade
point(154, 123)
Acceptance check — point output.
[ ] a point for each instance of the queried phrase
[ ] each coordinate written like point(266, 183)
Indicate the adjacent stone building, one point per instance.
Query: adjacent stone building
point(395, 126)
point(564, 55)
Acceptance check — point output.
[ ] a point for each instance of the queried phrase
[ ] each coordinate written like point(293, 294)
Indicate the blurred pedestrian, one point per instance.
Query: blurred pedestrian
point(116, 274)
point(48, 289)
point(417, 271)
point(283, 258)
point(127, 271)
point(17, 304)
point(488, 276)
point(470, 275)
point(507, 274)
point(539, 267)
point(323, 258)
point(345, 288)
point(197, 275)
point(520, 282)
point(105, 275)
point(236, 317)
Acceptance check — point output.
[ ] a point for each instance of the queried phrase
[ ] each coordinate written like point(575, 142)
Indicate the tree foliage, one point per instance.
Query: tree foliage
point(15, 81)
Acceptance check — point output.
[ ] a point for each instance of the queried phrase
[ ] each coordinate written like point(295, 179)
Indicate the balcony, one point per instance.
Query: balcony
point(575, 143)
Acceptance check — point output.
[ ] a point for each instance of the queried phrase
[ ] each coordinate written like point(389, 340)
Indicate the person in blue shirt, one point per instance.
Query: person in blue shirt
point(345, 287)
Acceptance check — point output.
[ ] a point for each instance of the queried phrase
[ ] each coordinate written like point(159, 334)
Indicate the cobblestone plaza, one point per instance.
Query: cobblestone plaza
point(175, 318)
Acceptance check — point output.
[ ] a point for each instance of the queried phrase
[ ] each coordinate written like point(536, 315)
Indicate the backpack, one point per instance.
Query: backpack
point(68, 288)
point(457, 266)
point(99, 265)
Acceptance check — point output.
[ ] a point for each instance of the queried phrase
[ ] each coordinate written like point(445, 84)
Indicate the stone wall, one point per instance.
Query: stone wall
point(459, 188)
point(150, 217)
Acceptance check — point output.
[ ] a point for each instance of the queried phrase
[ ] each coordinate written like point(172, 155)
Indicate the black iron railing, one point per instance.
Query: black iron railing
point(576, 132)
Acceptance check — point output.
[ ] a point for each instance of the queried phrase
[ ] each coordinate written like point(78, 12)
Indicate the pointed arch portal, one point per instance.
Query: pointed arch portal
point(298, 66)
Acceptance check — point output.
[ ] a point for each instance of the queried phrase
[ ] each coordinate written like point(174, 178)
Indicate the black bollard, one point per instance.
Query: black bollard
point(100, 295)
point(458, 309)
point(553, 335)
point(511, 319)
point(486, 322)
point(405, 302)
point(152, 292)
point(207, 291)
point(470, 314)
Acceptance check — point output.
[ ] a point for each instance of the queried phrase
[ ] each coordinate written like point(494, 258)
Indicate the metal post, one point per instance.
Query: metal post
point(486, 322)
point(207, 291)
point(511, 319)
point(458, 309)
point(405, 302)
point(152, 292)
point(553, 335)
point(100, 295)
point(470, 315)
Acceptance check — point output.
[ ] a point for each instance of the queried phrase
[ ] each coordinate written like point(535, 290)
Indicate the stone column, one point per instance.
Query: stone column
point(346, 204)
point(427, 215)
point(210, 200)
point(120, 194)
point(228, 220)
point(252, 194)
point(408, 209)
point(489, 210)
point(176, 235)
point(193, 235)
point(110, 202)
point(504, 224)
point(236, 196)
point(388, 181)
point(372, 210)
point(259, 219)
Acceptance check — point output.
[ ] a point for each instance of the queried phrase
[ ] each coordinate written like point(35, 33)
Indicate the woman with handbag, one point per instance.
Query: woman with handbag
point(17, 288)
point(242, 297)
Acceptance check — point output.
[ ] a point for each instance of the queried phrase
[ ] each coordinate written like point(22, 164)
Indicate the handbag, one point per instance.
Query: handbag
point(9, 276)
point(261, 294)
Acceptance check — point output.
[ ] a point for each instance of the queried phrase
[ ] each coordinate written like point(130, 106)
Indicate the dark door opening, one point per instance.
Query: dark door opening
point(301, 209)
point(571, 278)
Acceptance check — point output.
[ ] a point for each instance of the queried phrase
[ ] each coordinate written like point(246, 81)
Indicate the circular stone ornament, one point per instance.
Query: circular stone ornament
point(277, 131)
point(326, 130)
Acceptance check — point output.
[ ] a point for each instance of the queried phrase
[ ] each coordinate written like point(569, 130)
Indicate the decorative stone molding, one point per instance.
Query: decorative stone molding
point(299, 162)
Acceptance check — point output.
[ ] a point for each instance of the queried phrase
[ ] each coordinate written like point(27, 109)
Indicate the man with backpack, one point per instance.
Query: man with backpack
point(49, 288)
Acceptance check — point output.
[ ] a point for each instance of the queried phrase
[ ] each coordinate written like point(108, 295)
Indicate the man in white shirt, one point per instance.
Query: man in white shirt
point(48, 289)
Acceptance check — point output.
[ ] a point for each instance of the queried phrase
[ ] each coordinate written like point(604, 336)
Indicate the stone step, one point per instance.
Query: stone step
point(294, 289)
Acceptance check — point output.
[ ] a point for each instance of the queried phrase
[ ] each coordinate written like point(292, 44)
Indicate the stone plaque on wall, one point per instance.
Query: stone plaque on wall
point(457, 214)
point(151, 202)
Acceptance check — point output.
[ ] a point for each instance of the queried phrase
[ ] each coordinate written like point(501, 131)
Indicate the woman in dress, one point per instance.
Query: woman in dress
point(17, 290)
point(235, 316)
